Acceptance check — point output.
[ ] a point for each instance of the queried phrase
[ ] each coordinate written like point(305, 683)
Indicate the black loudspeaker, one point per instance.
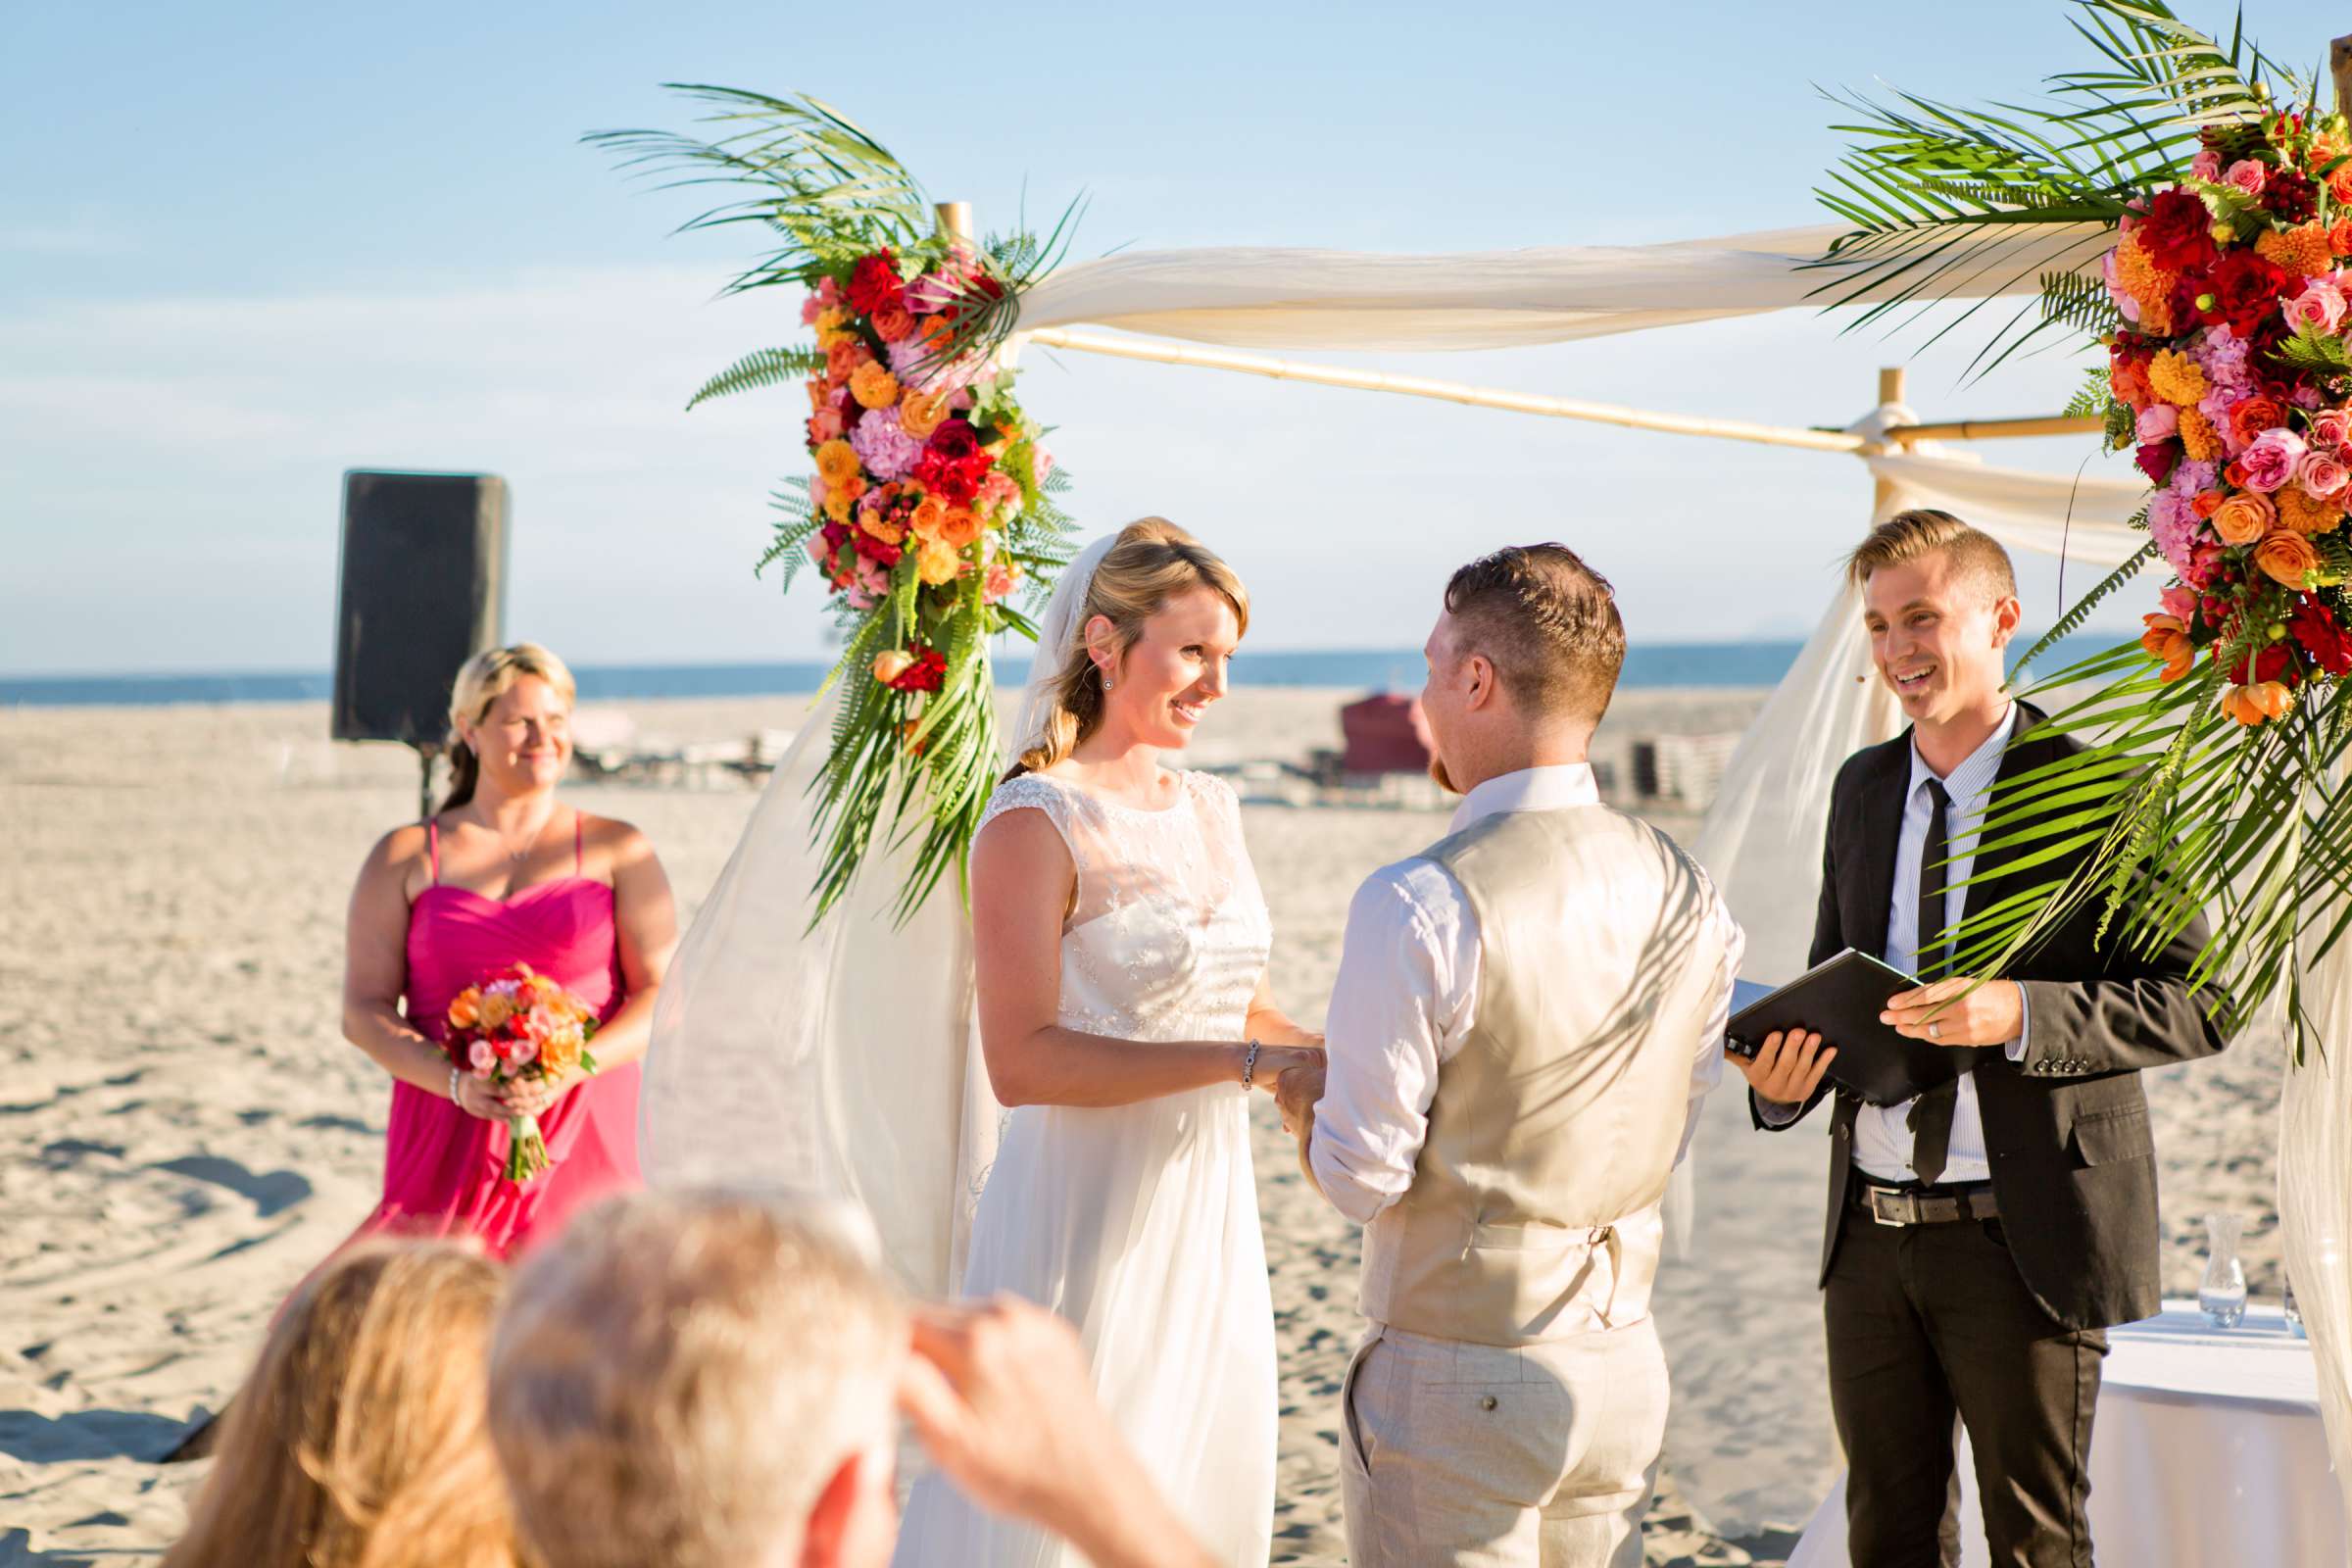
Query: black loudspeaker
point(424, 589)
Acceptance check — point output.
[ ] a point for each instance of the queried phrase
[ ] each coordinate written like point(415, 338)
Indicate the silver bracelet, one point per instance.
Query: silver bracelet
point(1250, 1065)
point(453, 1088)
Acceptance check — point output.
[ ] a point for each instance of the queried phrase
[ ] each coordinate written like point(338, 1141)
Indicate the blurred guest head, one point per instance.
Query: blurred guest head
point(510, 723)
point(1522, 664)
point(699, 1381)
point(359, 1438)
point(1939, 602)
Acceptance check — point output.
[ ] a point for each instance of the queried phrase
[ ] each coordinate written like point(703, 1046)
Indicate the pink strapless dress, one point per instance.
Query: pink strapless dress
point(442, 1167)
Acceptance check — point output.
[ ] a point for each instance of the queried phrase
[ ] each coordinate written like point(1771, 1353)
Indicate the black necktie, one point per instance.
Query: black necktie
point(1930, 1118)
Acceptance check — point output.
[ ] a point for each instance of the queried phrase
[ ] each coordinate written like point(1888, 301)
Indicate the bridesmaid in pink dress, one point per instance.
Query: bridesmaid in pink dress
point(506, 872)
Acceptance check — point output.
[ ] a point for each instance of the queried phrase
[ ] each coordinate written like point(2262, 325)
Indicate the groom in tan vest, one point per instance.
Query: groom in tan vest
point(1528, 1015)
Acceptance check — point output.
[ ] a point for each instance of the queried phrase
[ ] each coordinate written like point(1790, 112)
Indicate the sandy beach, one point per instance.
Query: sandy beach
point(183, 1132)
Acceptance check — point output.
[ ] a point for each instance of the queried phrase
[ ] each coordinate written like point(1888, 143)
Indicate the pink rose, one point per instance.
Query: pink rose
point(824, 426)
point(996, 584)
point(2332, 427)
point(2322, 475)
point(2207, 164)
point(809, 310)
point(479, 1055)
point(2179, 602)
point(2159, 421)
point(2248, 175)
point(2122, 298)
point(2320, 306)
point(2272, 459)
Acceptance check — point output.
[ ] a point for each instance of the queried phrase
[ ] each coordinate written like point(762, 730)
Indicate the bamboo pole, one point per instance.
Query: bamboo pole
point(1158, 352)
point(2340, 66)
point(1997, 429)
point(954, 218)
point(1891, 380)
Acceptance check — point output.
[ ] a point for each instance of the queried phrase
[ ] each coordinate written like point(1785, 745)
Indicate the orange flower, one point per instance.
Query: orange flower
point(559, 1051)
point(921, 412)
point(2167, 642)
point(2251, 705)
point(2289, 558)
point(2302, 250)
point(961, 528)
point(494, 1011)
point(2244, 518)
point(2176, 378)
point(2206, 502)
point(2339, 236)
point(836, 463)
point(930, 516)
point(2305, 514)
point(882, 527)
point(873, 386)
point(891, 664)
point(2339, 183)
point(464, 1007)
point(2151, 285)
point(2198, 438)
point(935, 563)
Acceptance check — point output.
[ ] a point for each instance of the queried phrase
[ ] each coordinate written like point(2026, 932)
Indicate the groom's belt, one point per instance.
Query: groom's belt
point(1916, 1205)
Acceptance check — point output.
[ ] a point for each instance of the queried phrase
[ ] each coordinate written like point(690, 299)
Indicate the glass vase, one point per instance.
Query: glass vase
point(2222, 1293)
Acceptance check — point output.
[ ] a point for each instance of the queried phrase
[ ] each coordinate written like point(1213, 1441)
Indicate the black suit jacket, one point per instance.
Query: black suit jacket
point(2066, 1130)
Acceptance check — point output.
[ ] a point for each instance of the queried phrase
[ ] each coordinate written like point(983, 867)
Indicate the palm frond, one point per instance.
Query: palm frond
point(761, 368)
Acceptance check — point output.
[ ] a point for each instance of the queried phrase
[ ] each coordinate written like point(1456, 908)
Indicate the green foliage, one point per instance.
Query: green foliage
point(1942, 195)
point(2072, 621)
point(2071, 300)
point(2312, 350)
point(761, 368)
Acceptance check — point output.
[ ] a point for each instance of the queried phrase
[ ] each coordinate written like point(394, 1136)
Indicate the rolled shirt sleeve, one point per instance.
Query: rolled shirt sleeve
point(1407, 983)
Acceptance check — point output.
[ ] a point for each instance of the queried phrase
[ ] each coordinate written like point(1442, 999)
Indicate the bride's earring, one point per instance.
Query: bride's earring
point(1107, 683)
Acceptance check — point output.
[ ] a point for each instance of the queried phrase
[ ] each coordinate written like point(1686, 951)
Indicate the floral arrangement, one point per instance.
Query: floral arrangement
point(2189, 208)
point(2230, 378)
point(932, 498)
point(518, 1025)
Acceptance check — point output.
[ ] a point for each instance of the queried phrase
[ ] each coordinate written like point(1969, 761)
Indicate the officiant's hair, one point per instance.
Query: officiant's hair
point(679, 1374)
point(1547, 622)
point(1923, 531)
point(486, 677)
point(1153, 562)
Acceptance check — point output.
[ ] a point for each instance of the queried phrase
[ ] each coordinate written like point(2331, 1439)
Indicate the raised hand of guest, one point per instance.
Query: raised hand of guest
point(1004, 1400)
point(1960, 1011)
point(1788, 1066)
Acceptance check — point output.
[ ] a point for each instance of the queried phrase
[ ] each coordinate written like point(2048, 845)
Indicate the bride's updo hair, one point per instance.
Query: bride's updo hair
point(1153, 562)
point(487, 676)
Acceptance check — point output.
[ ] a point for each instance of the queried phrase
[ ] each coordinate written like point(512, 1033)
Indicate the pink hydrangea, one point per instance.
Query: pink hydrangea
point(2173, 527)
point(2269, 461)
point(887, 451)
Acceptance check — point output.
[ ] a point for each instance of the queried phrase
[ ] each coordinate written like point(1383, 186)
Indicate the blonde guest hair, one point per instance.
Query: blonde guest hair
point(1153, 562)
point(1907, 536)
point(486, 677)
point(360, 1440)
point(679, 1374)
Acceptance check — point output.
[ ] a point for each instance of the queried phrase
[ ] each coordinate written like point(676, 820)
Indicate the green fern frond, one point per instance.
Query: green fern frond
point(761, 368)
point(2072, 621)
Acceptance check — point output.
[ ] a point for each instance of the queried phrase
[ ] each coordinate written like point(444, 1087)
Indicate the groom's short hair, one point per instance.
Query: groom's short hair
point(678, 1375)
point(1547, 622)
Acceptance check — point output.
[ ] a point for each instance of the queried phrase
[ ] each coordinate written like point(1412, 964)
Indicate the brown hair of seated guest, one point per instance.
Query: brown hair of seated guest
point(362, 1440)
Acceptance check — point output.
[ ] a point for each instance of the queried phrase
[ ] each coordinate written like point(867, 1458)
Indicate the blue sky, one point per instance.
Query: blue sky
point(248, 246)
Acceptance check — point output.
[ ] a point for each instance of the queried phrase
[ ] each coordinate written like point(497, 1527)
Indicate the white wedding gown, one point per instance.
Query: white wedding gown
point(1139, 1223)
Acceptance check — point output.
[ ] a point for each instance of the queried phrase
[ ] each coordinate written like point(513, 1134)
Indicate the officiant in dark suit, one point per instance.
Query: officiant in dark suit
point(1983, 1235)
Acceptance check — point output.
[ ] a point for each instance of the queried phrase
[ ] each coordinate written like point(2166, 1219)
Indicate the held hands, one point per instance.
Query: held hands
point(1788, 1067)
point(491, 1101)
point(1273, 1061)
point(1959, 1011)
point(1296, 1092)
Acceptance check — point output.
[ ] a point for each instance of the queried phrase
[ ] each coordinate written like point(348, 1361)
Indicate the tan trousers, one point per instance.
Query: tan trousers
point(1477, 1454)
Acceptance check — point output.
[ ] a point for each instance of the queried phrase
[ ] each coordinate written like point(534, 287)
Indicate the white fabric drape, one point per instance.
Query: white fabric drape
point(840, 1062)
point(1256, 297)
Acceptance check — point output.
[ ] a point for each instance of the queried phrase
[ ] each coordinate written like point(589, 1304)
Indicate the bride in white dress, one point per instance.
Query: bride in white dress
point(1120, 942)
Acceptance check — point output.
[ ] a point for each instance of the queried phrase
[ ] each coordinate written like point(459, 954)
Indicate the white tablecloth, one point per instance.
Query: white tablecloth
point(2207, 1450)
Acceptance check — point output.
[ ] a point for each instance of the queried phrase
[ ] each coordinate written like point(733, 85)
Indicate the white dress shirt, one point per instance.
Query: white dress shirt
point(1883, 1136)
point(1405, 1000)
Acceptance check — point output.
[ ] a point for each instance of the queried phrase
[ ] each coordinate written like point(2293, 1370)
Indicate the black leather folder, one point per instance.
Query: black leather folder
point(1840, 999)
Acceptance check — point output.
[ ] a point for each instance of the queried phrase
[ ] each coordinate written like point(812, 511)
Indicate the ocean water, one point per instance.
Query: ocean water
point(1655, 665)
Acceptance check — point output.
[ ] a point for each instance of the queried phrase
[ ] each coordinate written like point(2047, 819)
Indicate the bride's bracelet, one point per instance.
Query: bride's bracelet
point(453, 1088)
point(1250, 1065)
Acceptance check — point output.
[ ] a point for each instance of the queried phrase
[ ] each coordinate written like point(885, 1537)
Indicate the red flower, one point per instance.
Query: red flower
point(2316, 627)
point(876, 551)
point(926, 674)
point(2246, 288)
point(2270, 664)
point(956, 440)
point(952, 463)
point(874, 282)
point(2178, 232)
point(2156, 459)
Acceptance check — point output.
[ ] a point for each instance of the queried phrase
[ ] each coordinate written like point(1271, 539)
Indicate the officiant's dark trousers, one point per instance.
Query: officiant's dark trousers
point(1931, 1321)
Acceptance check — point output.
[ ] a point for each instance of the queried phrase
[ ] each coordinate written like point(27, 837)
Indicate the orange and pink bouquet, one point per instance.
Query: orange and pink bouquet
point(516, 1025)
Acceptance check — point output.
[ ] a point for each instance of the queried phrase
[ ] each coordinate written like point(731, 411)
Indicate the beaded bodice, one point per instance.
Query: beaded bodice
point(1168, 936)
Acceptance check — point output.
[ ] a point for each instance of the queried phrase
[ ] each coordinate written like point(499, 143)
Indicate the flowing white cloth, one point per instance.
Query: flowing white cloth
point(1139, 1223)
point(1258, 297)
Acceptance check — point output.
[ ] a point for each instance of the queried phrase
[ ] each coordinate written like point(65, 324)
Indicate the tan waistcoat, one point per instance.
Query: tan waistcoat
point(1533, 1213)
